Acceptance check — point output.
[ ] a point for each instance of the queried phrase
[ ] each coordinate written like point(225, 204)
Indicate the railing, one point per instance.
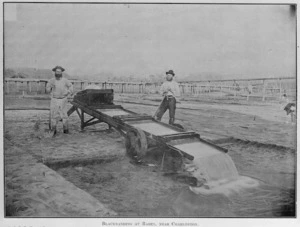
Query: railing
point(262, 88)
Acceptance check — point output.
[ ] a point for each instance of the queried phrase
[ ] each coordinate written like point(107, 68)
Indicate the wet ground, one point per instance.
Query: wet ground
point(134, 190)
point(261, 147)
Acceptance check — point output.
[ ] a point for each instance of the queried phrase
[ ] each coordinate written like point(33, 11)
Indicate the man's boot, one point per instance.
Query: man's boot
point(171, 121)
point(65, 126)
point(53, 130)
point(52, 126)
point(66, 130)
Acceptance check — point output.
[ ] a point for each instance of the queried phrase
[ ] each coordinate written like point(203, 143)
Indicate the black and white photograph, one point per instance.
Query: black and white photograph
point(149, 110)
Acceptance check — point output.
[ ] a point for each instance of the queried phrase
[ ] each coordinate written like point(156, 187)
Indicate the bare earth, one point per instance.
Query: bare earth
point(102, 181)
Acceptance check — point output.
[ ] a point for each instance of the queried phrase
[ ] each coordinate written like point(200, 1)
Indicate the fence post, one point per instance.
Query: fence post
point(45, 87)
point(248, 90)
point(17, 86)
point(38, 87)
point(264, 90)
point(29, 86)
point(7, 87)
point(280, 89)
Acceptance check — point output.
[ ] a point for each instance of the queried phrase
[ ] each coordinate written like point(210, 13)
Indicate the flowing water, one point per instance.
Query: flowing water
point(244, 196)
point(115, 112)
point(154, 128)
point(211, 165)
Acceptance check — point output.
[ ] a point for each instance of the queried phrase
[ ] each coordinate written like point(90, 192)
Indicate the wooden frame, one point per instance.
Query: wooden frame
point(121, 123)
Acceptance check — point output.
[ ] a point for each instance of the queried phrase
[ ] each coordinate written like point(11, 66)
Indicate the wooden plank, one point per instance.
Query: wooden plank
point(90, 120)
point(82, 119)
point(182, 135)
point(92, 123)
point(7, 87)
point(213, 145)
point(79, 114)
point(264, 91)
point(99, 115)
point(133, 117)
point(182, 153)
point(231, 80)
point(38, 87)
point(71, 110)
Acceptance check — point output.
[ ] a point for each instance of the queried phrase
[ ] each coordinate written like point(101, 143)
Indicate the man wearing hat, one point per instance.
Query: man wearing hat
point(60, 89)
point(170, 90)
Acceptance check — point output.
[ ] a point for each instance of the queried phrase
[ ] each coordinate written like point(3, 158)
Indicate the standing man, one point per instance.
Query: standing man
point(60, 89)
point(170, 90)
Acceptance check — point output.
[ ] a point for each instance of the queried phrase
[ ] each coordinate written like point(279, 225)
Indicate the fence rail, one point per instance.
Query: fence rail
point(262, 88)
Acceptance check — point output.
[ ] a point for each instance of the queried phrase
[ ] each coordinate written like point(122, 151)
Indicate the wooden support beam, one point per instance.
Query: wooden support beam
point(45, 88)
point(264, 91)
point(82, 119)
point(29, 86)
point(280, 89)
point(38, 87)
point(92, 123)
point(90, 120)
point(70, 111)
point(7, 87)
point(17, 84)
point(78, 112)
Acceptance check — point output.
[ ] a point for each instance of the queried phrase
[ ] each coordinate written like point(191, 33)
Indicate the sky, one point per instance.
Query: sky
point(244, 41)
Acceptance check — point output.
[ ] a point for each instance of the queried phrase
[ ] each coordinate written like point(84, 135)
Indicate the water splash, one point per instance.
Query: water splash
point(215, 168)
point(226, 187)
point(217, 172)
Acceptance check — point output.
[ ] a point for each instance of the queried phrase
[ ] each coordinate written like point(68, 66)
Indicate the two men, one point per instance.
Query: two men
point(60, 89)
point(170, 90)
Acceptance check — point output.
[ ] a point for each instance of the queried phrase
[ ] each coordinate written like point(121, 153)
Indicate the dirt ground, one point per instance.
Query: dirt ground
point(104, 182)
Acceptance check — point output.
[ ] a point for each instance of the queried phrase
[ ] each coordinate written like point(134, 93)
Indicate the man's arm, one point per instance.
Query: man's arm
point(163, 89)
point(70, 87)
point(49, 86)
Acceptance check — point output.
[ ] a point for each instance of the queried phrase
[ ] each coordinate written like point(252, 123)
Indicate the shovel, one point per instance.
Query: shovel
point(157, 111)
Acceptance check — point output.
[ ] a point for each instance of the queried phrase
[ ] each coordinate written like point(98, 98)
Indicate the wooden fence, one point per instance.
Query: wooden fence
point(261, 88)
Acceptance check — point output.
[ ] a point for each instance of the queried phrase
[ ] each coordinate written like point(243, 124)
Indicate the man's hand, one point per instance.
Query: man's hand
point(67, 94)
point(49, 87)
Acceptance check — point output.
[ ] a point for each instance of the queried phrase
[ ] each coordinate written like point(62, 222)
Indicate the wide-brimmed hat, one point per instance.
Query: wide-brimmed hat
point(58, 67)
point(170, 72)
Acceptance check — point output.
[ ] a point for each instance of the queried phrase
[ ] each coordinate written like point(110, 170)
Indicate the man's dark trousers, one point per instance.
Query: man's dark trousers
point(169, 102)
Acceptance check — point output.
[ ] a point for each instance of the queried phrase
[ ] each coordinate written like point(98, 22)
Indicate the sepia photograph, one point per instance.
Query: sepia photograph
point(149, 110)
